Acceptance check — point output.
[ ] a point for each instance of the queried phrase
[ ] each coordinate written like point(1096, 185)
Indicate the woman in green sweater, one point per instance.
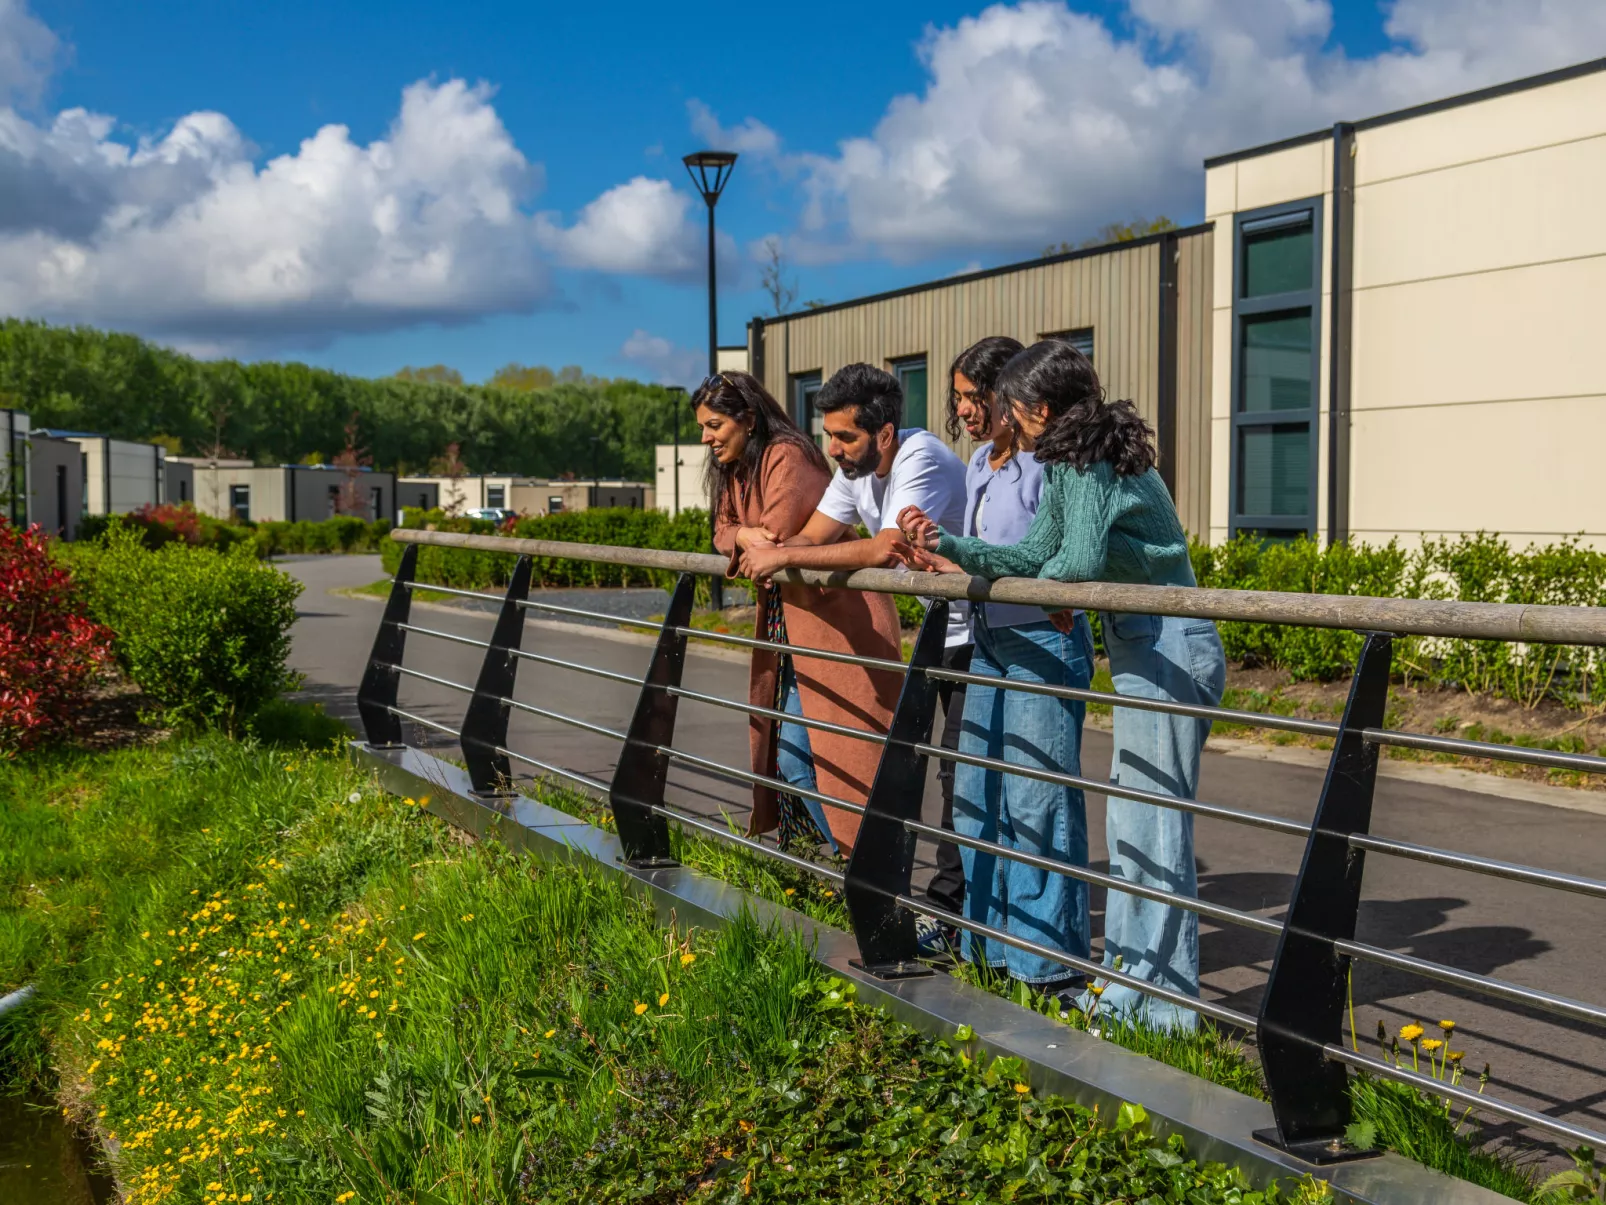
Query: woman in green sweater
point(1105, 515)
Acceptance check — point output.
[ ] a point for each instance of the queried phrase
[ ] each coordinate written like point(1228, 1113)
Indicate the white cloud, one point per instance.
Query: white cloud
point(1041, 123)
point(640, 227)
point(668, 363)
point(28, 50)
point(752, 137)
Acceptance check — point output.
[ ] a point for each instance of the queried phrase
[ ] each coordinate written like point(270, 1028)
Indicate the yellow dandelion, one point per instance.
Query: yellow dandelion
point(640, 1008)
point(1410, 1033)
point(418, 937)
point(687, 959)
point(1447, 1026)
point(1455, 1056)
point(1023, 1089)
point(663, 999)
point(1431, 1044)
point(468, 916)
point(475, 1119)
point(549, 1033)
point(791, 891)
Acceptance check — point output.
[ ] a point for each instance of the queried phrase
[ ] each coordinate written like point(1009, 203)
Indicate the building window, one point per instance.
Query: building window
point(554, 504)
point(240, 502)
point(61, 501)
point(1081, 339)
point(183, 490)
point(1276, 361)
point(495, 496)
point(334, 500)
point(805, 385)
point(423, 500)
point(376, 502)
point(911, 374)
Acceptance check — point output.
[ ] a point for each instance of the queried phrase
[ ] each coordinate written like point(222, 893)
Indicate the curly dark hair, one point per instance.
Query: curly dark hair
point(874, 394)
point(1083, 429)
point(741, 396)
point(981, 363)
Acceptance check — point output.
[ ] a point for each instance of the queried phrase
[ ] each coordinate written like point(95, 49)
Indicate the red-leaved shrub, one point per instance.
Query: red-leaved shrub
point(51, 652)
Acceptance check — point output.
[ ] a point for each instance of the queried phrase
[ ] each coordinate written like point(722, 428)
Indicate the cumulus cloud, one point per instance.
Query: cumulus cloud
point(668, 363)
point(187, 236)
point(1038, 122)
point(751, 137)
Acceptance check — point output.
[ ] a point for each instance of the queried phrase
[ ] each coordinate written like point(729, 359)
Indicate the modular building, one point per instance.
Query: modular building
point(238, 489)
point(119, 475)
point(535, 496)
point(689, 492)
point(1382, 330)
point(56, 497)
point(15, 485)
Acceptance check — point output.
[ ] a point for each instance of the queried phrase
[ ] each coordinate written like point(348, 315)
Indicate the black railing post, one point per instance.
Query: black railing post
point(377, 694)
point(485, 724)
point(639, 779)
point(883, 858)
point(1303, 1009)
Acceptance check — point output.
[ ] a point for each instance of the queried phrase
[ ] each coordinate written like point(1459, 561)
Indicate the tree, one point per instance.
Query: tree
point(351, 460)
point(1116, 232)
point(435, 374)
point(523, 378)
point(772, 276)
point(451, 467)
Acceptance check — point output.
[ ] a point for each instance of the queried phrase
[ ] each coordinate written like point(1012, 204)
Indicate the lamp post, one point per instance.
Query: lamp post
point(596, 476)
point(677, 394)
point(710, 171)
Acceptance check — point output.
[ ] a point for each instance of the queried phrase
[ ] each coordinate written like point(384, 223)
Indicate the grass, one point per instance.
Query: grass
point(269, 980)
point(383, 587)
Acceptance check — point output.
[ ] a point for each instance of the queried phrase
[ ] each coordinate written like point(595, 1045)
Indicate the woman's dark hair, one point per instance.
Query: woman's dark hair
point(739, 395)
point(1083, 429)
point(981, 363)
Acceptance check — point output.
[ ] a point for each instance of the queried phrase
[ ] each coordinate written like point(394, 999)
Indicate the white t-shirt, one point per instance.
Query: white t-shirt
point(925, 473)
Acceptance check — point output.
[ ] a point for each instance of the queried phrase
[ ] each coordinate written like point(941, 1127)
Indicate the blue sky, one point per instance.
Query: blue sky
point(886, 143)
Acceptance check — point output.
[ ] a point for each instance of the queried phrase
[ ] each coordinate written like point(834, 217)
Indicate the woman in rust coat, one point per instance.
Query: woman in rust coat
point(765, 478)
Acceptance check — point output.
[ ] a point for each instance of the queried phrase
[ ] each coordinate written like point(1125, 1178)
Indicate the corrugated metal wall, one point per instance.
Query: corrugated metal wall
point(1115, 292)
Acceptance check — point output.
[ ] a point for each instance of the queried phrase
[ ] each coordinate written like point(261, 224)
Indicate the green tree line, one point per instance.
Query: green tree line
point(528, 420)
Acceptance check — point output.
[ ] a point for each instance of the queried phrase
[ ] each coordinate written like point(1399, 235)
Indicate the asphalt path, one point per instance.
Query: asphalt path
point(1542, 939)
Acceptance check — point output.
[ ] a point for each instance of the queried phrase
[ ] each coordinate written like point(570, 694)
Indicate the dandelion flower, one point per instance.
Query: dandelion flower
point(640, 1008)
point(418, 937)
point(1447, 1026)
point(354, 797)
point(791, 891)
point(1023, 1089)
point(687, 959)
point(1455, 1056)
point(663, 999)
point(1410, 1033)
point(475, 1119)
point(468, 916)
point(1096, 989)
point(1431, 1044)
point(549, 1033)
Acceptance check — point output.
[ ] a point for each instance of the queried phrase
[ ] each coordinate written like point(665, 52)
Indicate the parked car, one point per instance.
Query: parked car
point(495, 514)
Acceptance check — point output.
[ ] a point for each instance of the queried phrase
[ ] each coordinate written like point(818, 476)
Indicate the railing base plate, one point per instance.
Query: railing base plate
point(1317, 1151)
point(650, 863)
point(892, 970)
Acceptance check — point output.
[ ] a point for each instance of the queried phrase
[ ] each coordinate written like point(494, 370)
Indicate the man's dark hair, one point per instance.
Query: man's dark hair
point(875, 395)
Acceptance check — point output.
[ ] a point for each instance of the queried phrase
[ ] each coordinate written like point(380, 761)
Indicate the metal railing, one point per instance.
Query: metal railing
point(1298, 1027)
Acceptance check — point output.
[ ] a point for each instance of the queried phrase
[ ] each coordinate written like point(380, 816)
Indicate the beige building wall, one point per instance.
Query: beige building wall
point(693, 459)
point(1115, 291)
point(1478, 390)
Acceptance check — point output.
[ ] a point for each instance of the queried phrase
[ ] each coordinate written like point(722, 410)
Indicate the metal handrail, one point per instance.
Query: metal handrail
point(1496, 869)
point(415, 673)
point(1554, 759)
point(593, 670)
point(496, 598)
point(1535, 624)
point(785, 717)
point(603, 616)
point(758, 780)
point(455, 639)
point(794, 650)
point(418, 719)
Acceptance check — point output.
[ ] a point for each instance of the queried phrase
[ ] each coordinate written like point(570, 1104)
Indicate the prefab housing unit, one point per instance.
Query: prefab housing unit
point(236, 489)
point(120, 475)
point(1141, 308)
point(57, 495)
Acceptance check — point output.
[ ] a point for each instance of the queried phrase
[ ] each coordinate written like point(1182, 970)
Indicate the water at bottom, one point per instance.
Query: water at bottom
point(42, 1161)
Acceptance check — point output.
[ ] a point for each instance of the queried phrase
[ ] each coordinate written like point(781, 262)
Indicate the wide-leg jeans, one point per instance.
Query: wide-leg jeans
point(1026, 814)
point(1181, 660)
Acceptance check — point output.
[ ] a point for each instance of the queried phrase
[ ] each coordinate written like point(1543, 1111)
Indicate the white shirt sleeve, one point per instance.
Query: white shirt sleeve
point(935, 486)
point(839, 502)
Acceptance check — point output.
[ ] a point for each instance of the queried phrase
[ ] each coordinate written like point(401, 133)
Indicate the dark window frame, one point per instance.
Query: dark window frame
point(240, 501)
point(1080, 337)
point(803, 386)
point(898, 366)
point(1251, 222)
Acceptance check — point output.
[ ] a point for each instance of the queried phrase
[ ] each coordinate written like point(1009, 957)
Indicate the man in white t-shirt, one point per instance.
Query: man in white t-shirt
point(882, 470)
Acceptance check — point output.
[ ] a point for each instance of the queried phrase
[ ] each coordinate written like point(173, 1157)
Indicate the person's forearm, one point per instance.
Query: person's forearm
point(845, 554)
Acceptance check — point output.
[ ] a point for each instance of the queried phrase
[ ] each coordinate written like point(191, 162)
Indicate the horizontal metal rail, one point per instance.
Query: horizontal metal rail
point(1216, 912)
point(417, 673)
point(785, 717)
point(792, 650)
point(583, 779)
point(418, 719)
point(1464, 1096)
point(725, 834)
point(1501, 870)
point(760, 780)
point(1411, 616)
point(416, 585)
point(609, 674)
point(603, 616)
point(455, 639)
point(1225, 714)
point(1096, 970)
point(1576, 1010)
point(1551, 758)
point(1274, 824)
point(586, 725)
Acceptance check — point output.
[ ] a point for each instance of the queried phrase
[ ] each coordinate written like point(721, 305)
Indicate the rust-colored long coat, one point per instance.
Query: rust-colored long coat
point(782, 500)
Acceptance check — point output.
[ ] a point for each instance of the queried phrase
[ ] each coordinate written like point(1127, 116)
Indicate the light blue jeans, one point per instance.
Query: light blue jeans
point(1154, 657)
point(1024, 813)
point(794, 757)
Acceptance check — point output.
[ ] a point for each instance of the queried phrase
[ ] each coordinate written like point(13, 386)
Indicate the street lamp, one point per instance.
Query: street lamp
point(677, 394)
point(710, 170)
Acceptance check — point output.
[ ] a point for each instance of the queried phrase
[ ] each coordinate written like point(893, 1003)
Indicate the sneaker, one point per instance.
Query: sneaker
point(935, 939)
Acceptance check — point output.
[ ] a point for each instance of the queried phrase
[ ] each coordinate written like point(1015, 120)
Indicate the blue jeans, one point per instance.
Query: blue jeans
point(1155, 657)
point(794, 757)
point(1024, 813)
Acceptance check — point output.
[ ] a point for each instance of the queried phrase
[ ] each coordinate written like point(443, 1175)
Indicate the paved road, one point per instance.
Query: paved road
point(1541, 939)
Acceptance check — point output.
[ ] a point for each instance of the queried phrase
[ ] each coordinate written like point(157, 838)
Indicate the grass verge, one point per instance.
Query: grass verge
point(263, 979)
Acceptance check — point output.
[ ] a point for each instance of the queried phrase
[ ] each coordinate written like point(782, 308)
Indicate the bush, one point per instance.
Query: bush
point(51, 652)
point(341, 533)
point(204, 634)
point(169, 523)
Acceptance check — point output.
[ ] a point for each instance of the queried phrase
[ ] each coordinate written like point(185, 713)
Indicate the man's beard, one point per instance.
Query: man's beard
point(863, 467)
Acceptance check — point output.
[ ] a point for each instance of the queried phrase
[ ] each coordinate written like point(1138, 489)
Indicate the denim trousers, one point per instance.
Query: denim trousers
point(794, 757)
point(1155, 657)
point(1024, 813)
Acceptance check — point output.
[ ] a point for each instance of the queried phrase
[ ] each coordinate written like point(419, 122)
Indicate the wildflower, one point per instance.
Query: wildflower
point(640, 1008)
point(1096, 989)
point(1431, 1044)
point(1023, 1089)
point(344, 1197)
point(475, 1119)
point(549, 1033)
point(418, 936)
point(1410, 1033)
point(791, 891)
point(1447, 1026)
point(354, 797)
point(687, 959)
point(1455, 1056)
point(663, 999)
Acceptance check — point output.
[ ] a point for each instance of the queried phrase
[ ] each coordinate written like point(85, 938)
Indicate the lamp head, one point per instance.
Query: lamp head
point(709, 171)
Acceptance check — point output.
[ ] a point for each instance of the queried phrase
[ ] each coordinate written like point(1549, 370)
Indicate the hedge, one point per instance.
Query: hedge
point(173, 523)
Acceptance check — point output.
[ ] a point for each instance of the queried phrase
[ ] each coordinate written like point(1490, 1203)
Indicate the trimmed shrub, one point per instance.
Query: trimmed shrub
point(51, 652)
point(169, 523)
point(341, 533)
point(204, 634)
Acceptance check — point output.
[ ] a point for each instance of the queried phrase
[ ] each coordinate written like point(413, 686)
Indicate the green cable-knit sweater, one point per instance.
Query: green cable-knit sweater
point(1091, 526)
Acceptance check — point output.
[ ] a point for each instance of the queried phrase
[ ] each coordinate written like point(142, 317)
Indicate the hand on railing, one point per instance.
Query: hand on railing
point(918, 528)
